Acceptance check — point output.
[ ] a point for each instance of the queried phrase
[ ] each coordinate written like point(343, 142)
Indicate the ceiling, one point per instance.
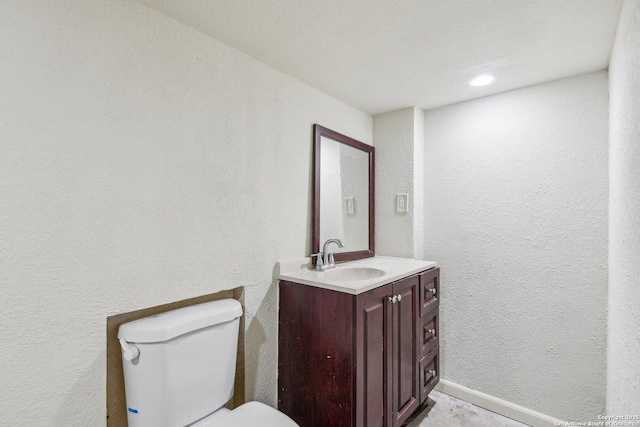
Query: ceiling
point(382, 55)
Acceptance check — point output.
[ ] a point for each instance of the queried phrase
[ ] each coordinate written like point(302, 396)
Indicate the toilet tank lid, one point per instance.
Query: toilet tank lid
point(171, 324)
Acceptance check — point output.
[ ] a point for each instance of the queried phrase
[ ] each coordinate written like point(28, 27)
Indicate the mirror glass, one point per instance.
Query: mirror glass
point(343, 194)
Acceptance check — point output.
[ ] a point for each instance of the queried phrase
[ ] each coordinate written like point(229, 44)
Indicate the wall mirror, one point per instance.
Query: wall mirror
point(343, 202)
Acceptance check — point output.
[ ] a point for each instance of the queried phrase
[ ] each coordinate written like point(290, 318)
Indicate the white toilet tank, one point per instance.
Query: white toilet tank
point(179, 366)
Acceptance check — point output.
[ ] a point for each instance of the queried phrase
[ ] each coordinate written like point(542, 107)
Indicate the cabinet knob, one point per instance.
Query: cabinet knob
point(431, 331)
point(399, 297)
point(393, 299)
point(432, 372)
point(432, 290)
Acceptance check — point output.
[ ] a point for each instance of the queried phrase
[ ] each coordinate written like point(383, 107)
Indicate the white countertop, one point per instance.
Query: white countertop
point(301, 271)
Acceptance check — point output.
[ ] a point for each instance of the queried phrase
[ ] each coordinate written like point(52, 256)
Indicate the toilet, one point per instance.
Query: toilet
point(179, 370)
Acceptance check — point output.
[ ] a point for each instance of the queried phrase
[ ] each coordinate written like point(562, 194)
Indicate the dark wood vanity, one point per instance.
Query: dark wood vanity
point(359, 351)
point(360, 360)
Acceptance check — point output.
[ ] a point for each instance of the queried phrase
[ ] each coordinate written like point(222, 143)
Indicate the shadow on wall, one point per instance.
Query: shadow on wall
point(261, 349)
point(73, 409)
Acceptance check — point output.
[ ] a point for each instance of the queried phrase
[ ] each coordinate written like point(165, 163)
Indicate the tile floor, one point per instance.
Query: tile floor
point(447, 411)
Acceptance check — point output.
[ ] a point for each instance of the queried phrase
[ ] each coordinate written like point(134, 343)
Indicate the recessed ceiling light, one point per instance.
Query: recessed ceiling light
point(481, 80)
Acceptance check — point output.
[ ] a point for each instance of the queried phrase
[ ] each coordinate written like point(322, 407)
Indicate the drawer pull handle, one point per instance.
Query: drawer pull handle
point(431, 373)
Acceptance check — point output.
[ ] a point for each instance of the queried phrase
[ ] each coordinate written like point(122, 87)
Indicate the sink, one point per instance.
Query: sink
point(353, 273)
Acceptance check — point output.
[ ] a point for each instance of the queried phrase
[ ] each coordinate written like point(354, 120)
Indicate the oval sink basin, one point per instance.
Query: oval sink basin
point(353, 273)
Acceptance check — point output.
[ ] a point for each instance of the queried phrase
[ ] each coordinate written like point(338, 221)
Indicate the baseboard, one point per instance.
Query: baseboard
point(499, 406)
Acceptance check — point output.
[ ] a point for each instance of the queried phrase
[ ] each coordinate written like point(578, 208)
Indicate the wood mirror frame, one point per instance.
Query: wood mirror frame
point(320, 132)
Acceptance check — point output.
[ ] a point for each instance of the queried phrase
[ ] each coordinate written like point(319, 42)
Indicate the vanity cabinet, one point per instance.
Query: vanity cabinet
point(360, 360)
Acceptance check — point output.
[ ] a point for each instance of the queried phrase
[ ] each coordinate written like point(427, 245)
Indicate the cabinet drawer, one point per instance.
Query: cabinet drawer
point(429, 373)
point(429, 290)
point(430, 331)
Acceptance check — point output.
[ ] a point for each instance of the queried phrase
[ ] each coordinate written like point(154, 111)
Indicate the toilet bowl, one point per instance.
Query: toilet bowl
point(254, 414)
point(179, 370)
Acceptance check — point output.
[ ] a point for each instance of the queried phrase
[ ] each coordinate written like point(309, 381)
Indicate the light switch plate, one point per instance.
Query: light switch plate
point(402, 202)
point(349, 205)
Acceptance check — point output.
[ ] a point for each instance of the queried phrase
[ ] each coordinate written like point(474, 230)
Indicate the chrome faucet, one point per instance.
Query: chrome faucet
point(325, 259)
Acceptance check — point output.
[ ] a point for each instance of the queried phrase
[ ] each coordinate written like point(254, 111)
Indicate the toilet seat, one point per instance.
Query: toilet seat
point(254, 414)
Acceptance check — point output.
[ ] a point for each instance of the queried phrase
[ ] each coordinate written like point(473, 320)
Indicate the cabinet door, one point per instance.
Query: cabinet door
point(373, 378)
point(406, 349)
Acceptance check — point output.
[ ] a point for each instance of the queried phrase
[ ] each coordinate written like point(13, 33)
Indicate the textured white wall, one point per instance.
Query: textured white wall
point(516, 215)
point(141, 163)
point(394, 136)
point(623, 346)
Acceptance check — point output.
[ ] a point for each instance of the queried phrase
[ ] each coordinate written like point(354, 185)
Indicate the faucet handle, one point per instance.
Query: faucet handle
point(319, 259)
point(329, 259)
